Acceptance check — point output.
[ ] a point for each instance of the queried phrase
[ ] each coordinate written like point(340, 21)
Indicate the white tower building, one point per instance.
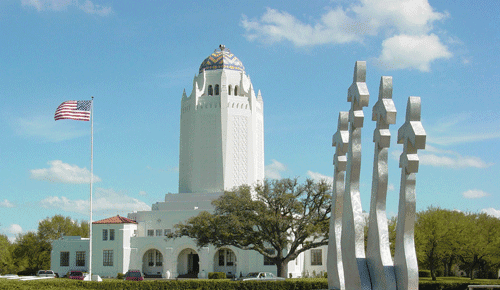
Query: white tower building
point(221, 128)
point(221, 146)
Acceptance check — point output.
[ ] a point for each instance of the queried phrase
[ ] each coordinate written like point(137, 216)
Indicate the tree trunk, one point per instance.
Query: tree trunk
point(282, 268)
point(432, 265)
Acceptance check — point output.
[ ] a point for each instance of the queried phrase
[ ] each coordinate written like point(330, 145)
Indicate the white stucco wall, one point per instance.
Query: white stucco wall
point(71, 244)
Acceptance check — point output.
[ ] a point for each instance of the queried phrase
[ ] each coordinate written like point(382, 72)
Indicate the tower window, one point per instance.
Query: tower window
point(216, 90)
point(229, 90)
point(210, 90)
point(235, 90)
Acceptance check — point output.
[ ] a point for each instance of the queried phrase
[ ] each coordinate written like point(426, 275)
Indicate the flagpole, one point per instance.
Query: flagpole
point(91, 180)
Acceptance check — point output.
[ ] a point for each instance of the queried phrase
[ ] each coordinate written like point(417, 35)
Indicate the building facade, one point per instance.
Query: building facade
point(221, 146)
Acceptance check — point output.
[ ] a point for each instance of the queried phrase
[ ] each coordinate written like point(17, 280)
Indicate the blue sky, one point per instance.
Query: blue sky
point(137, 57)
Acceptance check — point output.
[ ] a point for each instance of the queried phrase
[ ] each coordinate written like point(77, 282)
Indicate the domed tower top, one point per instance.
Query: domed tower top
point(221, 59)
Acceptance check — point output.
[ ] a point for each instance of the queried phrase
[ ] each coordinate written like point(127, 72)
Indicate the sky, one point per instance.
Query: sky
point(136, 58)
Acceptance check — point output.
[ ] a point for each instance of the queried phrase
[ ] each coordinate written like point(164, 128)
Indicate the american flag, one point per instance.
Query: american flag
point(75, 110)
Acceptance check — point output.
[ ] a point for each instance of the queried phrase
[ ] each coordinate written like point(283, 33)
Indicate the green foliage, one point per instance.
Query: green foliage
point(6, 262)
point(424, 273)
point(216, 275)
point(281, 214)
point(445, 239)
point(218, 284)
point(195, 284)
point(120, 276)
point(31, 251)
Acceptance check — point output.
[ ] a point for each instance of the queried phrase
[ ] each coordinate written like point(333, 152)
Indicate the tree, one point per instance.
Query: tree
point(280, 215)
point(430, 237)
point(28, 253)
point(5, 255)
point(481, 240)
point(32, 250)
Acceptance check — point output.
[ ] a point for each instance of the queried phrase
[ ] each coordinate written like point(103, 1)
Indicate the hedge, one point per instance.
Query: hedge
point(217, 284)
point(216, 275)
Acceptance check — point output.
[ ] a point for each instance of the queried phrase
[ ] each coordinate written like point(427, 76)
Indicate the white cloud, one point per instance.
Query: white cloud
point(15, 229)
point(105, 202)
point(474, 193)
point(406, 25)
point(63, 172)
point(465, 127)
point(273, 170)
point(466, 137)
point(318, 176)
point(6, 203)
point(492, 212)
point(59, 5)
point(412, 52)
point(142, 193)
point(41, 5)
point(275, 26)
point(406, 16)
point(46, 129)
point(92, 8)
point(456, 161)
point(445, 158)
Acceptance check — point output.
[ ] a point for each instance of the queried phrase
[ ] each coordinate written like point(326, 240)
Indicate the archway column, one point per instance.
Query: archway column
point(204, 262)
point(169, 264)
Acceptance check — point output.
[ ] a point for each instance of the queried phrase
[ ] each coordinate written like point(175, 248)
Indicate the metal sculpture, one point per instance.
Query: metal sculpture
point(349, 268)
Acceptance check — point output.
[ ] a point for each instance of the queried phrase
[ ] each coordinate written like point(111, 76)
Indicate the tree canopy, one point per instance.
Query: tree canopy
point(31, 250)
point(5, 254)
point(447, 238)
point(281, 215)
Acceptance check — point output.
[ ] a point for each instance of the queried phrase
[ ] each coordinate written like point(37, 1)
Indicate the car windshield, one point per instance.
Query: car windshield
point(76, 274)
point(134, 274)
point(254, 274)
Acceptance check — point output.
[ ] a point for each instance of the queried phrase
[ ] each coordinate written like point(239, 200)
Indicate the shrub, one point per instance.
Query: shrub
point(120, 276)
point(424, 273)
point(216, 275)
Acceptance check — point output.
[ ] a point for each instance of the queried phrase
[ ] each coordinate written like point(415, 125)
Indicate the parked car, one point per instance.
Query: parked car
point(77, 275)
point(133, 275)
point(261, 276)
point(46, 273)
point(9, 276)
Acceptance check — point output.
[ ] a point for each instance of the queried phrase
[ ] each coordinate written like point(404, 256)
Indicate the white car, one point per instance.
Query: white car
point(261, 276)
point(9, 276)
point(46, 273)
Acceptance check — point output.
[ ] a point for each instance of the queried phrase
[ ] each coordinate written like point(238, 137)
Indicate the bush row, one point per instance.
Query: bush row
point(214, 284)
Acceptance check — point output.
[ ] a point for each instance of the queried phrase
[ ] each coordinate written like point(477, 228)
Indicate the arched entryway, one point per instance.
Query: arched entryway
point(188, 264)
point(225, 261)
point(152, 263)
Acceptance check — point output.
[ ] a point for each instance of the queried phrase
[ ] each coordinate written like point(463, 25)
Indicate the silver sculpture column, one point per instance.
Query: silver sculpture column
point(356, 274)
point(334, 262)
point(378, 254)
point(412, 135)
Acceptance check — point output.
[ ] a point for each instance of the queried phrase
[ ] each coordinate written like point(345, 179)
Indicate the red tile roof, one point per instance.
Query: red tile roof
point(116, 220)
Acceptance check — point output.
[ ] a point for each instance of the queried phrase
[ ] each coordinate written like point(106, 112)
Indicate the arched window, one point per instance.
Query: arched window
point(235, 90)
point(216, 90)
point(229, 90)
point(210, 90)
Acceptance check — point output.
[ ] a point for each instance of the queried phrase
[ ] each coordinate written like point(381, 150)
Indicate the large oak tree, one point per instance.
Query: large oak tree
point(281, 215)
